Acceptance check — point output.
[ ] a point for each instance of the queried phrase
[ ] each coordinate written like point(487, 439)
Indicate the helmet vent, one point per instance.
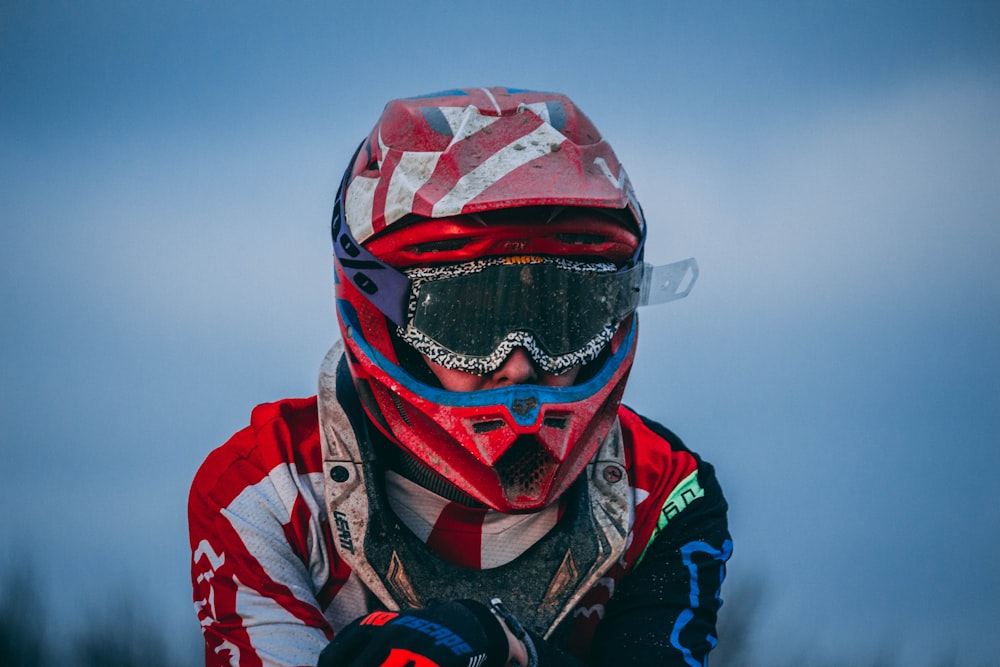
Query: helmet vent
point(526, 469)
point(555, 422)
point(487, 426)
point(581, 239)
point(439, 246)
point(400, 409)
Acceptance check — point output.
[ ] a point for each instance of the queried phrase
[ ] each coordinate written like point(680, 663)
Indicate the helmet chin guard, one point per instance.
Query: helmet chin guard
point(516, 448)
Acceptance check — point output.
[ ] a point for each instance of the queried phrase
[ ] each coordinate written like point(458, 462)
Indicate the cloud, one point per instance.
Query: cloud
point(877, 198)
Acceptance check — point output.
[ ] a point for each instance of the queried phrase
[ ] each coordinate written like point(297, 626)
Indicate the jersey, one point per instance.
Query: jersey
point(270, 588)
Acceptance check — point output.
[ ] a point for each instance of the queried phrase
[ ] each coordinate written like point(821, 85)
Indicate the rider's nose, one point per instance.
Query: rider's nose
point(518, 368)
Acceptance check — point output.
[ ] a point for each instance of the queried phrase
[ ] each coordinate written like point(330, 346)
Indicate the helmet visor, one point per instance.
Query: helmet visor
point(471, 316)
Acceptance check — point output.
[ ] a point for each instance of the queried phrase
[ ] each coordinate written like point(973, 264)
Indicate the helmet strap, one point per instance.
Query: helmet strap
point(385, 287)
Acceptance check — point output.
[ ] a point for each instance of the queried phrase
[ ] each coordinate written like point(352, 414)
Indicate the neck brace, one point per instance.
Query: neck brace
point(540, 587)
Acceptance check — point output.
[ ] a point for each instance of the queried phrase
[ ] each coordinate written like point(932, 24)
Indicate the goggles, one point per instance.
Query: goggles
point(471, 316)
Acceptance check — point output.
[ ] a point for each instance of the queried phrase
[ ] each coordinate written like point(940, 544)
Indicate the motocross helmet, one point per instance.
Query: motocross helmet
point(470, 223)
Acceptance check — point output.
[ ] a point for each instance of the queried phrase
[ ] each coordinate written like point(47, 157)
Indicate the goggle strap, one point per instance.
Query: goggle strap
point(385, 287)
point(669, 282)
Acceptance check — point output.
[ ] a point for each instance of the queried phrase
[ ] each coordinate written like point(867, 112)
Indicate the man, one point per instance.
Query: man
point(466, 489)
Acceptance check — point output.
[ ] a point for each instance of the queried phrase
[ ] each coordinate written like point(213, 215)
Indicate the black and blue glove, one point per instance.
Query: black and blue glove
point(460, 633)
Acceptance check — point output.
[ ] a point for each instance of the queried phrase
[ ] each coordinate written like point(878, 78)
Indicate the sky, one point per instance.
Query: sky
point(167, 172)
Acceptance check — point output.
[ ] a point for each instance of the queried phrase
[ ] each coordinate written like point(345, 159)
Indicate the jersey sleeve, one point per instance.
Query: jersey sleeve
point(260, 550)
point(664, 609)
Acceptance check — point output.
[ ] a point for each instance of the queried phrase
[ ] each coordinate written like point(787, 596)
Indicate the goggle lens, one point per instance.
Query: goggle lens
point(471, 316)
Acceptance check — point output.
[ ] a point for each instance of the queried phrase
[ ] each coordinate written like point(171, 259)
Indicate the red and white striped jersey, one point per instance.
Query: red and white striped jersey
point(270, 588)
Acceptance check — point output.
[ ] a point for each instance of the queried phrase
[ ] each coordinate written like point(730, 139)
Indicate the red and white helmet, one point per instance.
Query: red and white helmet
point(471, 222)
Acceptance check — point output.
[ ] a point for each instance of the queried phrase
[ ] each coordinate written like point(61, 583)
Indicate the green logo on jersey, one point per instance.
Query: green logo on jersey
point(683, 495)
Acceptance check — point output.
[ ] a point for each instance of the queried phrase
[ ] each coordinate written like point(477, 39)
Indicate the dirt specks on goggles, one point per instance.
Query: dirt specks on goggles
point(471, 316)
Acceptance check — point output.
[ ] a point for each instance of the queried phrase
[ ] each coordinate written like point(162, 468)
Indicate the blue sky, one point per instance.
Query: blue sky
point(167, 172)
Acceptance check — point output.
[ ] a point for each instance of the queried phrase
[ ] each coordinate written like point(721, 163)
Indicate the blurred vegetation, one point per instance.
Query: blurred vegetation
point(111, 637)
point(745, 604)
point(119, 637)
point(22, 622)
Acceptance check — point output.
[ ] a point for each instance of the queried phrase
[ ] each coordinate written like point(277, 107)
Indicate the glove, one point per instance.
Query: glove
point(459, 633)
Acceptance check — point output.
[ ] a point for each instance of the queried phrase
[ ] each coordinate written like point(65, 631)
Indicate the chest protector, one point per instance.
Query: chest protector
point(541, 586)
